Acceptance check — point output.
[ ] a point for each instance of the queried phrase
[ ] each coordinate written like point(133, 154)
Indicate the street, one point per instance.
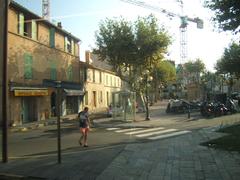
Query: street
point(122, 150)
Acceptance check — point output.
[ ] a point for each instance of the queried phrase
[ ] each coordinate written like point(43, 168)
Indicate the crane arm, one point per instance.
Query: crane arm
point(151, 7)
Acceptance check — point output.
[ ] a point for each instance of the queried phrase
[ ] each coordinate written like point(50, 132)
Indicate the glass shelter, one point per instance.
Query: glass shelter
point(124, 105)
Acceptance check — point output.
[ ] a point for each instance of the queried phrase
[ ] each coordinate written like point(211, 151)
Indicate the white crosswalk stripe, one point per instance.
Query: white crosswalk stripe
point(169, 135)
point(146, 130)
point(150, 133)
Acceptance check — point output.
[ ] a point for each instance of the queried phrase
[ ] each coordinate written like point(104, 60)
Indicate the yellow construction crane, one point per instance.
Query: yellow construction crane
point(183, 25)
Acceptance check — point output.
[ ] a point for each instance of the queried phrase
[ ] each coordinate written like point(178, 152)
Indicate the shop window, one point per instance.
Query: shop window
point(28, 60)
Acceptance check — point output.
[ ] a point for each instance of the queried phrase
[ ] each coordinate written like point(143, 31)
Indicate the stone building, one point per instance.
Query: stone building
point(101, 82)
point(40, 55)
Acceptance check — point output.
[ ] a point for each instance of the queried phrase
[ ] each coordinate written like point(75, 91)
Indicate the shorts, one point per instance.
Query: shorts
point(84, 129)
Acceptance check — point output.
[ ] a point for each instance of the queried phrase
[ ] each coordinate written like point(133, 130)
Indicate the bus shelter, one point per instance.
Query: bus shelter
point(124, 105)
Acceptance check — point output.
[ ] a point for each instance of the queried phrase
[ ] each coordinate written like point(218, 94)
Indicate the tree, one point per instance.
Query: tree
point(194, 69)
point(227, 14)
point(230, 61)
point(163, 73)
point(229, 64)
point(131, 47)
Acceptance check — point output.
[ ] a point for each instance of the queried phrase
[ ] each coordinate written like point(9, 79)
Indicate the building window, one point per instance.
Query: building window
point(27, 26)
point(53, 71)
point(94, 74)
point(106, 79)
point(52, 37)
point(69, 45)
point(28, 60)
point(82, 74)
point(70, 73)
point(111, 83)
point(100, 77)
point(86, 98)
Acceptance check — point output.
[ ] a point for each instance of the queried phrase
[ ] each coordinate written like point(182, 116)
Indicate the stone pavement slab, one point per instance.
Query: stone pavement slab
point(176, 158)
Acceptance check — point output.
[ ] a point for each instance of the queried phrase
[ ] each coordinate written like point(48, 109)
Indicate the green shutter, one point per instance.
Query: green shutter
point(21, 24)
point(66, 44)
point(70, 73)
point(28, 60)
point(73, 47)
point(52, 37)
point(34, 30)
point(53, 69)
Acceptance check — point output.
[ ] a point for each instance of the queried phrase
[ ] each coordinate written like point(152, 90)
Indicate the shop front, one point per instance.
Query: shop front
point(28, 104)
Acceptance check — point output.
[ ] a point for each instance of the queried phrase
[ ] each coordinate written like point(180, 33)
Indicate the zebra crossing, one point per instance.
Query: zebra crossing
point(154, 133)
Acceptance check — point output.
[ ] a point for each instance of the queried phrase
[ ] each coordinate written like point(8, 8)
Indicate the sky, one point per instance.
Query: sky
point(82, 18)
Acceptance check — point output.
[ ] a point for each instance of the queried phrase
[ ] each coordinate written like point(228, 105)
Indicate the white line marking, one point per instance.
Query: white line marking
point(126, 130)
point(146, 130)
point(154, 133)
point(112, 129)
point(169, 135)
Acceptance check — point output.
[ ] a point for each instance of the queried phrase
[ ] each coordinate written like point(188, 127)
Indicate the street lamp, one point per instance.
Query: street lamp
point(148, 79)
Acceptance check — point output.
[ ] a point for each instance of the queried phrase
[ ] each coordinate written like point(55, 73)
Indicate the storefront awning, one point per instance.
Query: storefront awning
point(73, 92)
point(30, 92)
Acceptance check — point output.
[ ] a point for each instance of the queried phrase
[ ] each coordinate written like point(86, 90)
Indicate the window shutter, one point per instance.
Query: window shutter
point(34, 30)
point(21, 24)
point(53, 69)
point(73, 47)
point(52, 37)
point(66, 44)
point(70, 73)
point(28, 66)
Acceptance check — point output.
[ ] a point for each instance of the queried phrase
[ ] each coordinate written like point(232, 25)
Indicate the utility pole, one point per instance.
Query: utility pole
point(3, 76)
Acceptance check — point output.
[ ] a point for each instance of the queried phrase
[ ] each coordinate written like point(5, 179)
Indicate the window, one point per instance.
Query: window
point(86, 98)
point(82, 74)
point(27, 26)
point(100, 77)
point(28, 66)
point(101, 96)
point(69, 45)
point(94, 74)
point(70, 73)
point(52, 37)
point(53, 71)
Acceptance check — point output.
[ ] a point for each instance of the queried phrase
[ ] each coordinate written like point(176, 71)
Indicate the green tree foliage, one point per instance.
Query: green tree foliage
point(230, 61)
point(194, 66)
point(164, 72)
point(131, 47)
point(227, 14)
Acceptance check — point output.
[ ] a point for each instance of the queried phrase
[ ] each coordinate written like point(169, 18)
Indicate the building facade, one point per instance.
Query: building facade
point(100, 84)
point(41, 56)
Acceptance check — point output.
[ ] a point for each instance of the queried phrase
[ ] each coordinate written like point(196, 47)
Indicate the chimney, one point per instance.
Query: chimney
point(59, 24)
point(88, 57)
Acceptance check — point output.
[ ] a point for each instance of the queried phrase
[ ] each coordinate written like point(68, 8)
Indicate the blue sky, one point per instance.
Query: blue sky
point(81, 18)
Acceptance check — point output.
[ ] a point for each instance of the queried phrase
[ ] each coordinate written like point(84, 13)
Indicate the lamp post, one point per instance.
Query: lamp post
point(148, 80)
point(58, 87)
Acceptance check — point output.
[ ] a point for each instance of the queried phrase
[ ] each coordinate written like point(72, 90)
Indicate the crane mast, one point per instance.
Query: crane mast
point(183, 26)
point(46, 9)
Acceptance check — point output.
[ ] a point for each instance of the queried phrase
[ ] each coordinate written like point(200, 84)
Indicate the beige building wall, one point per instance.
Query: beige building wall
point(99, 89)
point(44, 58)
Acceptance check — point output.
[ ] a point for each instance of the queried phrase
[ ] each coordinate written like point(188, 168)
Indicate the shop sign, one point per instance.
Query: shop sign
point(31, 92)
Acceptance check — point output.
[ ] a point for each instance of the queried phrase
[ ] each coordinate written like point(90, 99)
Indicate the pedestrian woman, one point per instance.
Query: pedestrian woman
point(84, 123)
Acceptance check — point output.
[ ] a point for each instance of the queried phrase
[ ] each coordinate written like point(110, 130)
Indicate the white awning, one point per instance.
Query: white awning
point(73, 92)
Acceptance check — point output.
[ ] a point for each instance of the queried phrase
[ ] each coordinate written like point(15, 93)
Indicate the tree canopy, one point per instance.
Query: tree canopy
point(131, 47)
point(227, 14)
point(230, 61)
